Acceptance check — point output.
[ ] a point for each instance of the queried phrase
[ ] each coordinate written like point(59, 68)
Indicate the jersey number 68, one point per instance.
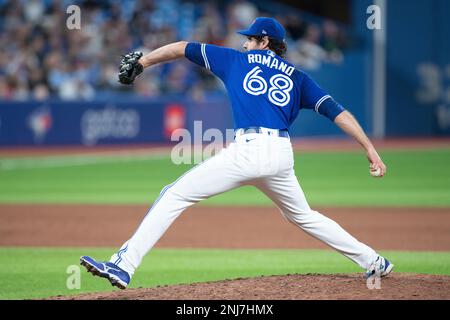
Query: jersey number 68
point(280, 86)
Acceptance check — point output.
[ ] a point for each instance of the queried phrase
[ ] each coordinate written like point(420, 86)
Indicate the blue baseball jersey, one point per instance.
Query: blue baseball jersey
point(264, 89)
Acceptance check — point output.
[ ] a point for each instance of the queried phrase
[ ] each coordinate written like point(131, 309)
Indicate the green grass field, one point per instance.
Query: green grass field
point(42, 272)
point(415, 178)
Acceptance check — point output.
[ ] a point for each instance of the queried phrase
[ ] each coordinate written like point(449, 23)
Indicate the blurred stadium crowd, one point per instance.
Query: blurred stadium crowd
point(41, 58)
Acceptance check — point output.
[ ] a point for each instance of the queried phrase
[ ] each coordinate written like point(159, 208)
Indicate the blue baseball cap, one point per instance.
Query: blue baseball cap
point(263, 26)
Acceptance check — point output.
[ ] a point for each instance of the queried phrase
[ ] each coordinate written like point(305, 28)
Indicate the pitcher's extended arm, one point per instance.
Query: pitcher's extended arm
point(133, 63)
point(350, 125)
point(168, 52)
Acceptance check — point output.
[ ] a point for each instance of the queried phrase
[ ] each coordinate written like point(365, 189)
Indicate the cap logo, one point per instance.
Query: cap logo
point(264, 31)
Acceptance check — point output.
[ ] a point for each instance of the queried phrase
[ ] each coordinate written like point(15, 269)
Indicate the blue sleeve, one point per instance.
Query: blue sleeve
point(314, 97)
point(330, 108)
point(214, 58)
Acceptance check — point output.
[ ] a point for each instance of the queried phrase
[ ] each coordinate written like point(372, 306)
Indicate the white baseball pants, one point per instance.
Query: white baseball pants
point(264, 161)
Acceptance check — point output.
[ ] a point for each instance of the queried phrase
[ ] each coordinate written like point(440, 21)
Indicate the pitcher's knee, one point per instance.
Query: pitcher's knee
point(165, 188)
point(168, 192)
point(179, 193)
point(304, 216)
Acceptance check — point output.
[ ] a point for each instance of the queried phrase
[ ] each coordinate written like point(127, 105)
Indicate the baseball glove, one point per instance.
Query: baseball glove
point(130, 68)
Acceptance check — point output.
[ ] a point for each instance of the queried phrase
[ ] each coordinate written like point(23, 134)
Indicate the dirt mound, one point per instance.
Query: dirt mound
point(290, 287)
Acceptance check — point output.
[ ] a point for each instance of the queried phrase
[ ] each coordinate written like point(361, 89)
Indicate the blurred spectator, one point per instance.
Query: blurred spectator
point(295, 26)
point(5, 92)
point(307, 51)
point(34, 11)
point(41, 58)
point(243, 12)
point(40, 92)
point(73, 89)
point(331, 41)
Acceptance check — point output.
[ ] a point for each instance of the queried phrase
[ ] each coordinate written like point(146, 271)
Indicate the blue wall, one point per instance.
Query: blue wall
point(420, 35)
point(418, 51)
point(95, 123)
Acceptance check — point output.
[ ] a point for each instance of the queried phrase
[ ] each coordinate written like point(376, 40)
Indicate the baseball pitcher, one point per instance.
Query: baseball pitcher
point(266, 93)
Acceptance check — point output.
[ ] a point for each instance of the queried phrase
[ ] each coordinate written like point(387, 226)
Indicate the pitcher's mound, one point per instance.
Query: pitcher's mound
point(287, 287)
